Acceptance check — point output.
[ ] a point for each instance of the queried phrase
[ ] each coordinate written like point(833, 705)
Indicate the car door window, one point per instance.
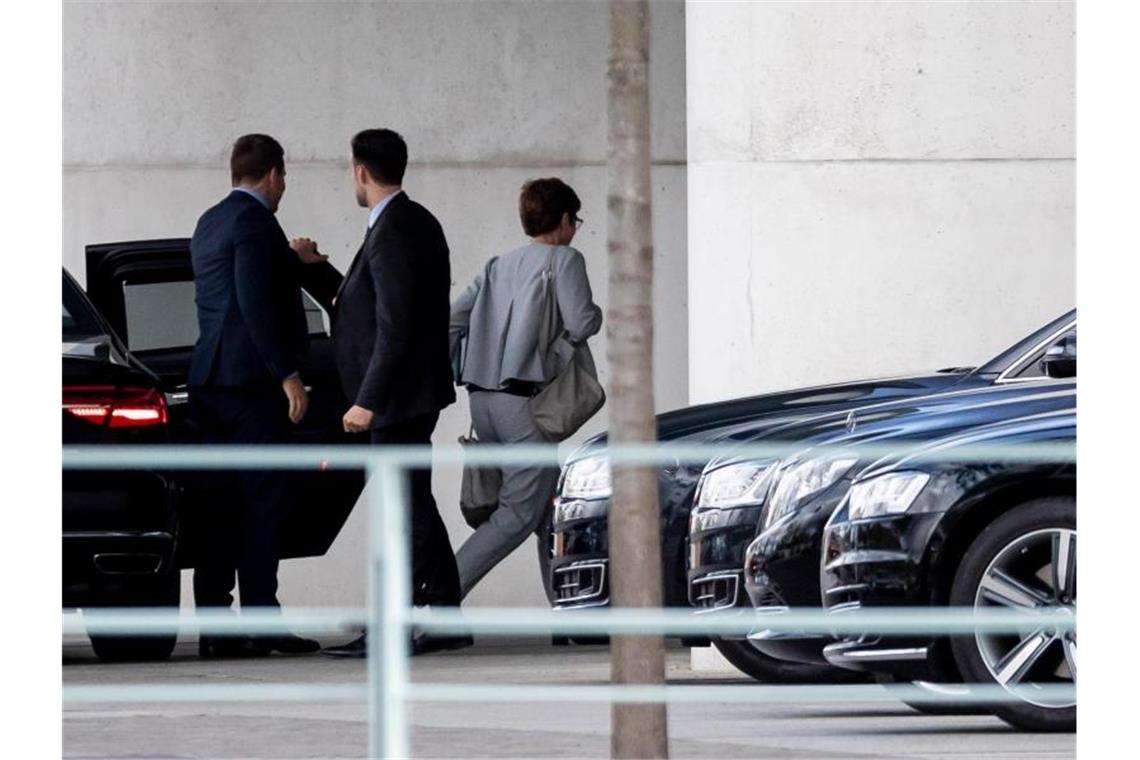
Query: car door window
point(1034, 368)
point(160, 315)
point(163, 316)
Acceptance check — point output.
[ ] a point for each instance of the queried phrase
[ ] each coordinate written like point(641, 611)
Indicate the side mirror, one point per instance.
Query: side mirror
point(1060, 360)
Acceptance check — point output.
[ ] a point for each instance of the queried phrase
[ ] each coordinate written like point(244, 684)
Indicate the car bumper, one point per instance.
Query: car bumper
point(579, 560)
point(781, 572)
point(791, 646)
point(717, 541)
point(101, 569)
point(120, 534)
point(118, 502)
point(879, 563)
point(579, 563)
point(904, 657)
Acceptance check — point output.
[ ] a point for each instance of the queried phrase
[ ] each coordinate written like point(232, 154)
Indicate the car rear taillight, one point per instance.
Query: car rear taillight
point(112, 407)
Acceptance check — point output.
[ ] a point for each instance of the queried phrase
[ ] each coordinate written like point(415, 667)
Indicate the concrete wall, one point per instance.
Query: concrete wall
point(841, 189)
point(487, 94)
point(874, 187)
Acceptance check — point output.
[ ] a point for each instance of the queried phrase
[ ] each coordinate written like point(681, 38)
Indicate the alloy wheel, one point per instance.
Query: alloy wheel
point(1034, 571)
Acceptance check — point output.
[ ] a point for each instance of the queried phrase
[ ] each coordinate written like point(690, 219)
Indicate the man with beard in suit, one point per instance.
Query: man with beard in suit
point(390, 329)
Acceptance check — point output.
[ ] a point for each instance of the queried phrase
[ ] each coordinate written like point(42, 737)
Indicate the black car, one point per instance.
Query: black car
point(917, 530)
point(579, 545)
point(800, 493)
point(120, 529)
point(127, 344)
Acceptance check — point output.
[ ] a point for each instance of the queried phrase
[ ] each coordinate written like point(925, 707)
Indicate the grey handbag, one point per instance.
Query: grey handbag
point(574, 395)
point(479, 488)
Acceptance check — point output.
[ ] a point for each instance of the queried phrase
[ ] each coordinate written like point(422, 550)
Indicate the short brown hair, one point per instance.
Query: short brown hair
point(253, 156)
point(542, 203)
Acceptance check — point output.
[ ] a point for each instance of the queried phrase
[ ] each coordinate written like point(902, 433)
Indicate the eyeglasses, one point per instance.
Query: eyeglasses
point(577, 223)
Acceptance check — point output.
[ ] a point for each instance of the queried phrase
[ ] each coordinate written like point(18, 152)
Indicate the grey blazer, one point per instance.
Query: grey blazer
point(499, 315)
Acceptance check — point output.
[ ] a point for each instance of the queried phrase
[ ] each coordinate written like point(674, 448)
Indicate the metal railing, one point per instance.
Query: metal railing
point(390, 618)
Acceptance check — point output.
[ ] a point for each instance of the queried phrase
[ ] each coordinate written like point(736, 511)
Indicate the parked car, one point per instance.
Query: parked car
point(120, 529)
point(138, 328)
point(785, 515)
point(578, 574)
point(918, 530)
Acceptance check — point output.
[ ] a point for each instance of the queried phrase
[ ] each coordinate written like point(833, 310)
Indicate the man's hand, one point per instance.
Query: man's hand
point(357, 420)
point(306, 251)
point(298, 397)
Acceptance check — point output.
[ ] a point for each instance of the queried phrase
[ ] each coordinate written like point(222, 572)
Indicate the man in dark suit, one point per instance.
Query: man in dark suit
point(244, 384)
point(390, 329)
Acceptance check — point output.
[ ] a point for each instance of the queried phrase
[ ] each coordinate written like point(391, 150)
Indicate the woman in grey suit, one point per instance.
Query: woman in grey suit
point(499, 315)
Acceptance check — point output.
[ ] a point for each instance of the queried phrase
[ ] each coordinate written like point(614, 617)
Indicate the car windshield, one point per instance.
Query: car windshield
point(79, 320)
point(1011, 355)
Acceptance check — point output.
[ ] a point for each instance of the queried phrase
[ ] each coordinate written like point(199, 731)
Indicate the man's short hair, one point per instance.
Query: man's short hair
point(383, 153)
point(253, 156)
point(543, 202)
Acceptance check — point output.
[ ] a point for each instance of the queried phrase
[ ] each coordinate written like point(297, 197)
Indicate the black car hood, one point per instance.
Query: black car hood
point(696, 421)
point(745, 418)
point(1050, 426)
point(926, 416)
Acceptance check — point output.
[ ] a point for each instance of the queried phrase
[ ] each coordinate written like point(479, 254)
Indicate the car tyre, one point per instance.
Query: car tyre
point(1023, 559)
point(140, 648)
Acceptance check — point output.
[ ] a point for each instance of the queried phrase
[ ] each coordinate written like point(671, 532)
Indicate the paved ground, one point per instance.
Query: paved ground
point(300, 730)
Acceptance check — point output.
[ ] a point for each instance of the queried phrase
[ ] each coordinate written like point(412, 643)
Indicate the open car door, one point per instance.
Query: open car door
point(145, 289)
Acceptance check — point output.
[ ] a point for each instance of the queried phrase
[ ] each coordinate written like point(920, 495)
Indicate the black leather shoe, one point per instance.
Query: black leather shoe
point(218, 647)
point(288, 644)
point(422, 643)
point(357, 648)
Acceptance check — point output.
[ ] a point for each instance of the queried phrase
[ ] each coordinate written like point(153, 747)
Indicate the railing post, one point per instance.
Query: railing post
point(388, 587)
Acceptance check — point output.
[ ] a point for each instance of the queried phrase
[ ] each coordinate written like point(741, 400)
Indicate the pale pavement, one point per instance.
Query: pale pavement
point(315, 730)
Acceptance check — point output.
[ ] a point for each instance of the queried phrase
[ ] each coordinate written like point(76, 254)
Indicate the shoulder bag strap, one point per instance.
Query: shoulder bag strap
point(547, 326)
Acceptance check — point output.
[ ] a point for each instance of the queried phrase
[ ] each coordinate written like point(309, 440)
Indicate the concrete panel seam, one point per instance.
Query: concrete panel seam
point(338, 164)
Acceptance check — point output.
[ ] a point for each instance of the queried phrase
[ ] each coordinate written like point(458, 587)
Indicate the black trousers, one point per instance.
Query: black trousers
point(242, 515)
point(435, 577)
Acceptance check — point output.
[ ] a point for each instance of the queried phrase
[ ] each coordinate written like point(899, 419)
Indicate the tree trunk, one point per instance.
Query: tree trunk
point(639, 730)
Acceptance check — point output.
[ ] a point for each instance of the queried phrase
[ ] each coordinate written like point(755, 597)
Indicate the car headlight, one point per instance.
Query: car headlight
point(587, 478)
point(890, 494)
point(799, 481)
point(736, 485)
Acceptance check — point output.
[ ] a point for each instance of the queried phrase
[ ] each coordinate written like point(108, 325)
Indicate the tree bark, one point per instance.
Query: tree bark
point(638, 730)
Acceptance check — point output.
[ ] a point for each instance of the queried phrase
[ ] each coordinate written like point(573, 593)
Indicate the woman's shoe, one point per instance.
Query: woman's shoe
point(355, 649)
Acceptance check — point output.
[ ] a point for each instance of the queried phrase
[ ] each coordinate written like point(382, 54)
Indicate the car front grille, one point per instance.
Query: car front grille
point(716, 591)
point(579, 583)
point(767, 597)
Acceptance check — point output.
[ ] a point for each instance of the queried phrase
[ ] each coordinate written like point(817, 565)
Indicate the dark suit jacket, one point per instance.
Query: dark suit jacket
point(251, 322)
point(391, 317)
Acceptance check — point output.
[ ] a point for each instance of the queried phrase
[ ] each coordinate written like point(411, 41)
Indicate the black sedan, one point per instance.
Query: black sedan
point(579, 547)
point(127, 343)
point(120, 529)
point(918, 530)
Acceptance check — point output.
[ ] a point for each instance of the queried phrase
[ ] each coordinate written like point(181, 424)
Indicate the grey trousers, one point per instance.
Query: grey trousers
point(525, 498)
